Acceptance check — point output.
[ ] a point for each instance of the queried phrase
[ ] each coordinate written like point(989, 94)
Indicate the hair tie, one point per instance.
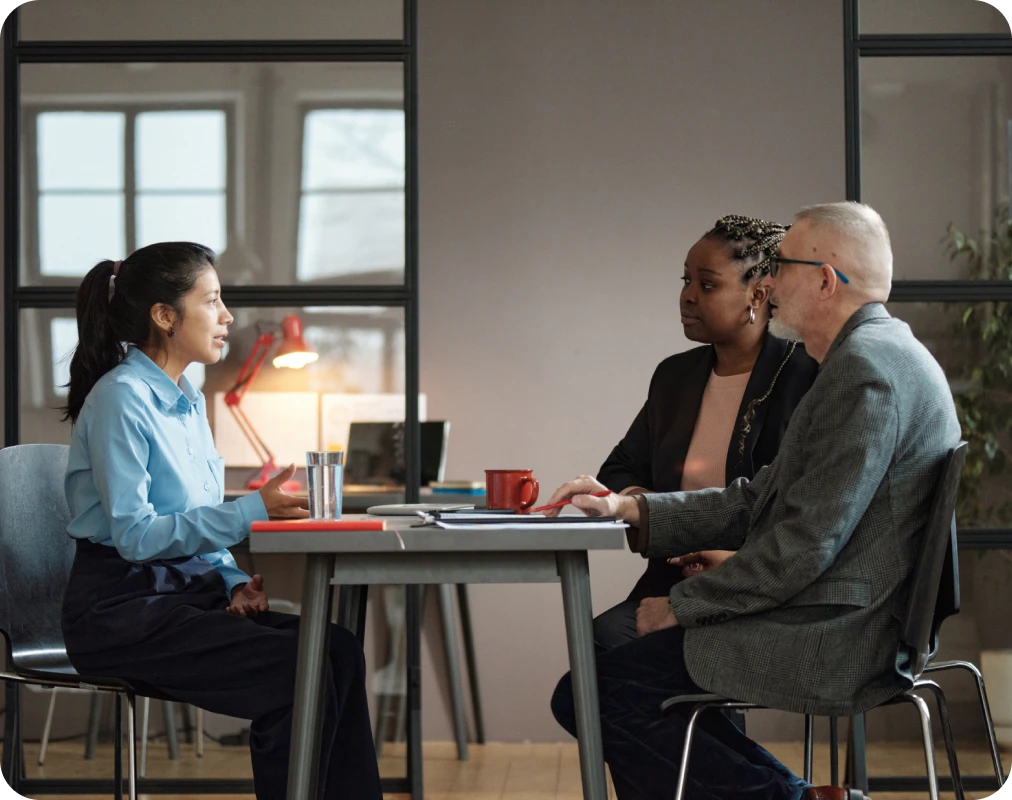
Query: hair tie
point(115, 267)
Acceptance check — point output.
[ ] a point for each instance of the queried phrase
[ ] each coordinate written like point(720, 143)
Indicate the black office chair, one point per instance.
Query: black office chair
point(36, 555)
point(928, 606)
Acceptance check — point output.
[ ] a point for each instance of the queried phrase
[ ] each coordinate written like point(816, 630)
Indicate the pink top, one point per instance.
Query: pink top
point(711, 438)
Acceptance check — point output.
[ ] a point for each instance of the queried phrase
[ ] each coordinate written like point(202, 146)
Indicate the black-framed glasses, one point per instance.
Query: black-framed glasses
point(776, 261)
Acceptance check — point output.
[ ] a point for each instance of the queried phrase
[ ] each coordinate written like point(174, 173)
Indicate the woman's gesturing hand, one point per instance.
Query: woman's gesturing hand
point(579, 492)
point(280, 504)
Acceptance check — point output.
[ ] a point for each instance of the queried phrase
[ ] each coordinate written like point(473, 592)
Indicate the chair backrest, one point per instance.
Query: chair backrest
point(36, 553)
point(929, 601)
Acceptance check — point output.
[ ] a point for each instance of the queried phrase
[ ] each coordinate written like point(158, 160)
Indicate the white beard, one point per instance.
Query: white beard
point(782, 331)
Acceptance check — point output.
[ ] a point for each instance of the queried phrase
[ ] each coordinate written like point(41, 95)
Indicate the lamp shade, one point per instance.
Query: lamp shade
point(293, 352)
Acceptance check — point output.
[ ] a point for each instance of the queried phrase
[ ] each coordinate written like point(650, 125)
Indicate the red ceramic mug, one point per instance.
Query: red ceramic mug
point(516, 489)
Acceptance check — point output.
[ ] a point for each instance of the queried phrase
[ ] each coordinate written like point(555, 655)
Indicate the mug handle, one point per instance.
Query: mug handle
point(534, 491)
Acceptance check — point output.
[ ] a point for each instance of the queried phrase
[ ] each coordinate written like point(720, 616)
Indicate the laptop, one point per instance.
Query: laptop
point(374, 457)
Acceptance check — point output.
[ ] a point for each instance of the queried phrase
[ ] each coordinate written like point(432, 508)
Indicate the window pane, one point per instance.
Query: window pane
point(922, 169)
point(973, 343)
point(357, 237)
point(80, 150)
point(78, 231)
point(63, 340)
point(251, 120)
point(212, 19)
point(930, 16)
point(181, 150)
point(181, 217)
point(353, 148)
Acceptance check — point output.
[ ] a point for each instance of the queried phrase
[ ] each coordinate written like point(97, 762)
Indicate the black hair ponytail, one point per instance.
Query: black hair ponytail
point(115, 310)
point(98, 348)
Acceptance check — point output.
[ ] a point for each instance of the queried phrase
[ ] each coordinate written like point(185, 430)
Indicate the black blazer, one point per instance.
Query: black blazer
point(652, 453)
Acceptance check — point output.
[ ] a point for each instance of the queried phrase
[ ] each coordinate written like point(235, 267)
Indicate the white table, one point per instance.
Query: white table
point(516, 554)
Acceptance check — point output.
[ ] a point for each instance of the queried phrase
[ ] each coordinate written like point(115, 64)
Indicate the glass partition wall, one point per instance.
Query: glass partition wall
point(287, 144)
point(929, 134)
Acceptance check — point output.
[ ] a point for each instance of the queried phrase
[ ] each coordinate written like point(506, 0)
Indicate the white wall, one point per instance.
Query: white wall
point(570, 153)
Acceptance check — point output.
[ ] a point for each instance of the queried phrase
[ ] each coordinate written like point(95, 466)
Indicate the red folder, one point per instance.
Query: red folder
point(275, 525)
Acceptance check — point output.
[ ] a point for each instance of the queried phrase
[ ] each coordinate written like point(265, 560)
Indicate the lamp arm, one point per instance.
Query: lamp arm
point(233, 399)
point(260, 447)
point(250, 370)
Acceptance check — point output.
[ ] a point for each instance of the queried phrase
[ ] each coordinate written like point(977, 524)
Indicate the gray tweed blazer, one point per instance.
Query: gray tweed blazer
point(806, 617)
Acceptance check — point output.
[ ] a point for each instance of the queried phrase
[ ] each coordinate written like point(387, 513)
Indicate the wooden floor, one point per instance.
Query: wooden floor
point(494, 771)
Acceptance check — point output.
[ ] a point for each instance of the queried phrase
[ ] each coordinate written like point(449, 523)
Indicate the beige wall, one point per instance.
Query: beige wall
point(570, 154)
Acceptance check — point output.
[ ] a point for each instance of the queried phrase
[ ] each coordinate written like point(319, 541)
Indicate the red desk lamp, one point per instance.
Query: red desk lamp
point(293, 353)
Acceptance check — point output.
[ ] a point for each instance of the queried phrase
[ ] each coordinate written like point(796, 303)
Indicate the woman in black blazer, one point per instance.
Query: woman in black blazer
point(725, 305)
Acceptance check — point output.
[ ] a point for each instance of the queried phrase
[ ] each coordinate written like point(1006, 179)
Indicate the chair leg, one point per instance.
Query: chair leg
point(118, 757)
point(132, 745)
point(985, 710)
point(834, 752)
point(199, 733)
point(950, 742)
point(171, 737)
point(683, 770)
point(94, 725)
point(809, 745)
point(48, 726)
point(929, 746)
point(12, 736)
point(145, 716)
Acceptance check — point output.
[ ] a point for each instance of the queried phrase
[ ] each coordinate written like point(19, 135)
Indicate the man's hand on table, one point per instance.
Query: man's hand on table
point(654, 614)
point(249, 599)
point(579, 492)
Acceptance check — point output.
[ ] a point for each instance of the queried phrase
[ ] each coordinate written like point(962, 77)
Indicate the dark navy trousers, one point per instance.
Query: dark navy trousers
point(163, 624)
point(644, 748)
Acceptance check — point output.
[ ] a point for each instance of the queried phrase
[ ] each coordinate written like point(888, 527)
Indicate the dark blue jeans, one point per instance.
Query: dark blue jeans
point(644, 748)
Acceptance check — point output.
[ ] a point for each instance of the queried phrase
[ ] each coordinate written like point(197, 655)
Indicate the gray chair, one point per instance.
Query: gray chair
point(36, 555)
point(935, 584)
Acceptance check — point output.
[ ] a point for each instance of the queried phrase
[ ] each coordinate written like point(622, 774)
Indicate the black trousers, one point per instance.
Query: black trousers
point(643, 748)
point(163, 624)
point(617, 626)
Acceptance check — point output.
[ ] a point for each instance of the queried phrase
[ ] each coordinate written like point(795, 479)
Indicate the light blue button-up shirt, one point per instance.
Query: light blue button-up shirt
point(144, 476)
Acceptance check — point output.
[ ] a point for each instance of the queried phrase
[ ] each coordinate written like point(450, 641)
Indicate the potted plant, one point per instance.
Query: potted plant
point(983, 397)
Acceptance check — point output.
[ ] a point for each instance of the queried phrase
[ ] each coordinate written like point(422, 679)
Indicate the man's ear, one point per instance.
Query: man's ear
point(830, 281)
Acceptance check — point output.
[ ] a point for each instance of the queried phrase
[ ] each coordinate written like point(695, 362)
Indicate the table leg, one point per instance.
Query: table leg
point(453, 667)
point(307, 719)
point(472, 662)
point(580, 637)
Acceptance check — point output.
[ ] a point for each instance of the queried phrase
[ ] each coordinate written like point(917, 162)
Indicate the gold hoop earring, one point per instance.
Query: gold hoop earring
point(751, 315)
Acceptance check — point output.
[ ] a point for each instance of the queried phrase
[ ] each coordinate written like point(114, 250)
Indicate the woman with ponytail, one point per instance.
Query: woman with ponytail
point(154, 596)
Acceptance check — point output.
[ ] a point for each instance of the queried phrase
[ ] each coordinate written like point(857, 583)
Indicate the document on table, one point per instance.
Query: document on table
point(462, 521)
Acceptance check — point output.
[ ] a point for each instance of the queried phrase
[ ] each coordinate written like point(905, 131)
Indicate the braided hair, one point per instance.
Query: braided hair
point(752, 242)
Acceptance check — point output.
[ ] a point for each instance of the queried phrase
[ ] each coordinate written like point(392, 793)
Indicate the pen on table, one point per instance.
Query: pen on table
point(605, 493)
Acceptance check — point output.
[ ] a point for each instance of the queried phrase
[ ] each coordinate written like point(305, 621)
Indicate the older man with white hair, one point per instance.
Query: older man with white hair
point(806, 615)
